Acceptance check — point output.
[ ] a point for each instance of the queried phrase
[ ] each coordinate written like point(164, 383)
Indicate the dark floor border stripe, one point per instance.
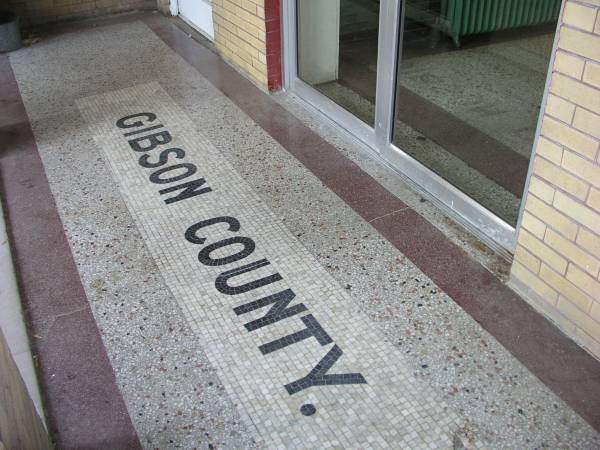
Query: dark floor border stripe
point(84, 405)
point(557, 361)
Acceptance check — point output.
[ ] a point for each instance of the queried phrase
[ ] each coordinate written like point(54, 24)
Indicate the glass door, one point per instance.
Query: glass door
point(470, 81)
point(447, 92)
point(337, 52)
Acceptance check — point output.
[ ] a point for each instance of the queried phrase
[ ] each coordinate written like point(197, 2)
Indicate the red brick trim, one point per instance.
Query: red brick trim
point(273, 41)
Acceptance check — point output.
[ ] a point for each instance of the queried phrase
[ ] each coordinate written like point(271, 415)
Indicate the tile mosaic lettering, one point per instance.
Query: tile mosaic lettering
point(292, 349)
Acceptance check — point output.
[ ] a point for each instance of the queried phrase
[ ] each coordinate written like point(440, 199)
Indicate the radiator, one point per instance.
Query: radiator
point(459, 18)
point(464, 17)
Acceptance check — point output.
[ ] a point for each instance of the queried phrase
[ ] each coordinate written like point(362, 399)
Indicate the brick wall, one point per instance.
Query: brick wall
point(557, 260)
point(33, 12)
point(247, 34)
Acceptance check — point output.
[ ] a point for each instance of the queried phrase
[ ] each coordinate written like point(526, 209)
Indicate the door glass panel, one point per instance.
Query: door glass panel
point(471, 77)
point(337, 51)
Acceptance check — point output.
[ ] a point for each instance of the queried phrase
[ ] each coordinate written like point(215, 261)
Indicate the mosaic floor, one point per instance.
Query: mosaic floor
point(243, 304)
point(298, 341)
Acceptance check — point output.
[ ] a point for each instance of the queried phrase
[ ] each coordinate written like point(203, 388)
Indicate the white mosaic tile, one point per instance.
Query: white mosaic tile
point(381, 406)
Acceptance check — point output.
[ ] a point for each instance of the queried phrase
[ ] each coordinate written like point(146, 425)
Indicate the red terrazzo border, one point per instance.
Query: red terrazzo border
point(84, 405)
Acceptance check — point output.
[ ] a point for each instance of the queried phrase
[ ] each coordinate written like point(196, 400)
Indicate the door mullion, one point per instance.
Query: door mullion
point(290, 42)
point(387, 53)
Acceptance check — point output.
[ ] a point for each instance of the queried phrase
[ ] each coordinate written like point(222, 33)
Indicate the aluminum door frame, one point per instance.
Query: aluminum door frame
point(486, 225)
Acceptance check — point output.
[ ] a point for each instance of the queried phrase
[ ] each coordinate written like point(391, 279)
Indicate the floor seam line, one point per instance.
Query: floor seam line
point(391, 213)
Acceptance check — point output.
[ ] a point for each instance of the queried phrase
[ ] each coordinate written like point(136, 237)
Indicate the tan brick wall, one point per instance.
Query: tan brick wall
point(240, 36)
point(557, 260)
point(33, 12)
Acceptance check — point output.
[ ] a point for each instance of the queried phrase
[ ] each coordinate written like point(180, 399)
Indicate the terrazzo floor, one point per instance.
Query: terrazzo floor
point(194, 376)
